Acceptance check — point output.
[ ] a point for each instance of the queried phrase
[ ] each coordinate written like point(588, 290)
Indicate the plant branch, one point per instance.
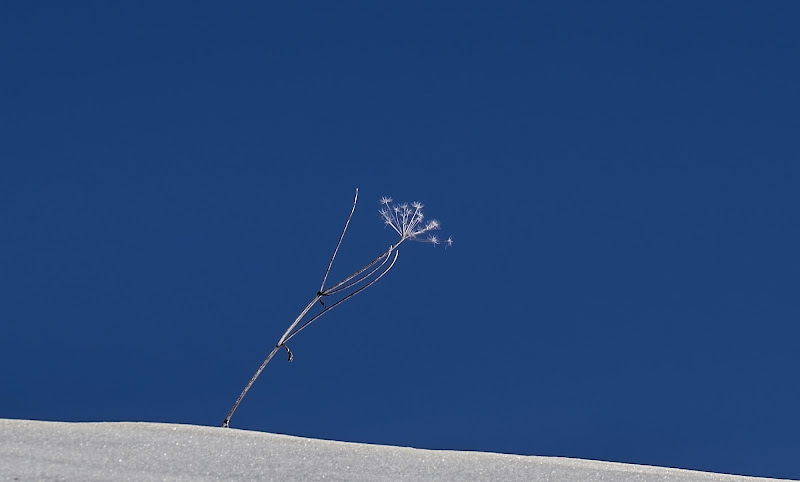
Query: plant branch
point(227, 421)
point(313, 319)
point(336, 250)
point(331, 291)
point(335, 287)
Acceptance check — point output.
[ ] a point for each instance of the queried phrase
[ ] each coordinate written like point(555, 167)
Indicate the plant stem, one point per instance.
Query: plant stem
point(227, 421)
point(344, 285)
point(341, 237)
point(318, 315)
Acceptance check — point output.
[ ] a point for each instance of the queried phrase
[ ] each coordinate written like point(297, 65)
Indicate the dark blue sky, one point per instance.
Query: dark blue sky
point(620, 179)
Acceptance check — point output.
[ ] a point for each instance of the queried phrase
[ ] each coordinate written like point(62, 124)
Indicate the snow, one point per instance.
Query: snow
point(49, 451)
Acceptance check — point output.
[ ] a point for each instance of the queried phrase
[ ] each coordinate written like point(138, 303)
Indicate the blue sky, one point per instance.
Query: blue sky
point(620, 179)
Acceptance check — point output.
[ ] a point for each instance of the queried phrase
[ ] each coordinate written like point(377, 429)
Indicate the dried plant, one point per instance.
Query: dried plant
point(408, 221)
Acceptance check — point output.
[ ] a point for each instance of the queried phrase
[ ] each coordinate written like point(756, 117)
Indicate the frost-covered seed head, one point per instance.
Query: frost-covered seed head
point(407, 219)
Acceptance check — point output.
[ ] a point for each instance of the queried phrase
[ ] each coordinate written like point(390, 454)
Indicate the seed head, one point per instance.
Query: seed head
point(407, 219)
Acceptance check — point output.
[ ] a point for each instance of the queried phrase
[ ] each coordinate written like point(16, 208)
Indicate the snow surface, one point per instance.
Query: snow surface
point(48, 451)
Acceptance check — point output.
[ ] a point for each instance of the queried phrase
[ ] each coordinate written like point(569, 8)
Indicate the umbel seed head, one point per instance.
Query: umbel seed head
point(407, 221)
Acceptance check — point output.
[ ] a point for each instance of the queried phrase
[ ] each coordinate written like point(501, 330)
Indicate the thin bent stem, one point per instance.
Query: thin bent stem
point(313, 319)
point(227, 421)
point(336, 250)
point(335, 287)
point(331, 291)
point(297, 320)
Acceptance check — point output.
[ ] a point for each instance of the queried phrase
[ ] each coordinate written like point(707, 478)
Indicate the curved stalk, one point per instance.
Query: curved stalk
point(227, 421)
point(331, 291)
point(335, 287)
point(342, 300)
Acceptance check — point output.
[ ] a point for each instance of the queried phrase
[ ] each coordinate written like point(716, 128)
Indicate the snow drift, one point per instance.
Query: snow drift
point(48, 451)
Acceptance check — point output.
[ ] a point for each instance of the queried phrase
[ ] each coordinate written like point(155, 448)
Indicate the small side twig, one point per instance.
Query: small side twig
point(336, 250)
